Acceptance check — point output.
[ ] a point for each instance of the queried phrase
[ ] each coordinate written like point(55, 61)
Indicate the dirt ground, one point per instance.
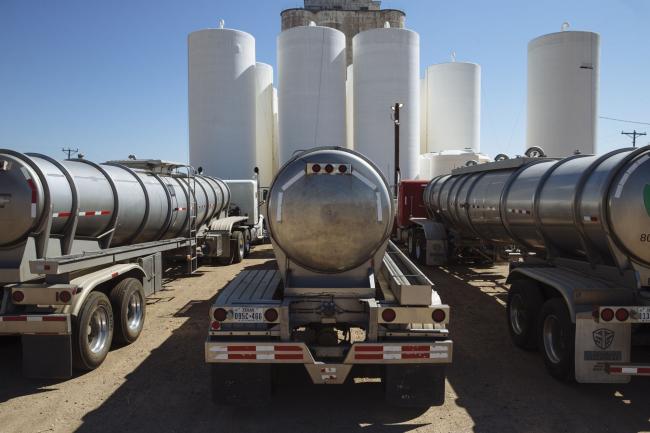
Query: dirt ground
point(160, 383)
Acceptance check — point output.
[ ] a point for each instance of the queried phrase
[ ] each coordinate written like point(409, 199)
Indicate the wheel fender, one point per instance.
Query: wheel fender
point(88, 283)
point(546, 275)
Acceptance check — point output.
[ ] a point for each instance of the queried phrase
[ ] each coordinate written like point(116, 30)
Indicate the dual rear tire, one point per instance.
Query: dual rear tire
point(544, 324)
point(104, 320)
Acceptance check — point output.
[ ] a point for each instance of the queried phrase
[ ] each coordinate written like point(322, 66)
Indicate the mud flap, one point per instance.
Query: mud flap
point(47, 356)
point(415, 385)
point(598, 344)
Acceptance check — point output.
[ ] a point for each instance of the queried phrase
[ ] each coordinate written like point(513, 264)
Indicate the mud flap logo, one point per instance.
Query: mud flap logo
point(646, 198)
point(603, 338)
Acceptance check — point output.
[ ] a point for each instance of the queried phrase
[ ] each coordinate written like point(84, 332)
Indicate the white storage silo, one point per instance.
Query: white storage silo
point(454, 107)
point(424, 112)
point(276, 128)
point(349, 107)
point(264, 122)
point(442, 163)
point(387, 71)
point(222, 102)
point(311, 89)
point(563, 71)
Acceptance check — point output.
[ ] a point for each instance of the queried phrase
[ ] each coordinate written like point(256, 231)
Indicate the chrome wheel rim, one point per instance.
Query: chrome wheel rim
point(518, 315)
point(553, 342)
point(241, 247)
point(97, 333)
point(134, 312)
point(418, 251)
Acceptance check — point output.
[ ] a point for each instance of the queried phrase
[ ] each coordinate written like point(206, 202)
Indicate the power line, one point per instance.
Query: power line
point(624, 121)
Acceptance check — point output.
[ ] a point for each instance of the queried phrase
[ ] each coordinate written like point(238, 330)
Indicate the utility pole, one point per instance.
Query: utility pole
point(396, 109)
point(633, 135)
point(69, 151)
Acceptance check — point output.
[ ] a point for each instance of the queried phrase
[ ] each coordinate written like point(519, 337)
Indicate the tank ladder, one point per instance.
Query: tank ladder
point(192, 248)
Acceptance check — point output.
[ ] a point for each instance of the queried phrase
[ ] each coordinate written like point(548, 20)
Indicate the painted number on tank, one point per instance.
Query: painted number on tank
point(645, 237)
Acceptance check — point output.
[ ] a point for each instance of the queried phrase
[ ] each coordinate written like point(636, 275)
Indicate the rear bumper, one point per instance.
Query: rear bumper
point(383, 353)
point(49, 324)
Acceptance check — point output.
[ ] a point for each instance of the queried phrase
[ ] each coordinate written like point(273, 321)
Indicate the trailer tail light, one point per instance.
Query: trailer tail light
point(607, 315)
point(271, 315)
point(622, 315)
point(18, 296)
point(328, 169)
point(65, 296)
point(438, 316)
point(220, 314)
point(388, 315)
point(215, 326)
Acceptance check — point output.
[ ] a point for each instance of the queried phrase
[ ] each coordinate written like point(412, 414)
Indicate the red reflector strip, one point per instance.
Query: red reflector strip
point(369, 348)
point(180, 209)
point(242, 348)
point(14, 319)
point(115, 274)
point(94, 213)
point(288, 349)
point(61, 214)
point(242, 356)
point(54, 318)
point(287, 356)
point(630, 370)
point(590, 219)
point(32, 186)
point(415, 356)
point(369, 356)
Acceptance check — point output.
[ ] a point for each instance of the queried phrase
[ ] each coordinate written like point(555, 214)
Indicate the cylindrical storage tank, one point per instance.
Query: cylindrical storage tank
point(454, 107)
point(582, 207)
point(311, 92)
point(424, 114)
point(349, 108)
point(222, 102)
point(387, 71)
point(441, 163)
point(563, 71)
point(264, 122)
point(330, 210)
point(276, 129)
point(132, 205)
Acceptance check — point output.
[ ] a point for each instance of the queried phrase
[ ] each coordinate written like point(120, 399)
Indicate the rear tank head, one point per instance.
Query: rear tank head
point(330, 211)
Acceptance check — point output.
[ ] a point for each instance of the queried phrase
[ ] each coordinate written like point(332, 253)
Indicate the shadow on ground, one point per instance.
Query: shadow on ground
point(505, 389)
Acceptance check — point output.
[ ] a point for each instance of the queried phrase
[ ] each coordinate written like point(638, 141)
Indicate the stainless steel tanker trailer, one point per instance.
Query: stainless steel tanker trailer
point(582, 292)
point(81, 247)
point(344, 301)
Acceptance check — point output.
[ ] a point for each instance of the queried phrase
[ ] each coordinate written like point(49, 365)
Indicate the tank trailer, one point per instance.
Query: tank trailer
point(581, 292)
point(344, 302)
point(82, 246)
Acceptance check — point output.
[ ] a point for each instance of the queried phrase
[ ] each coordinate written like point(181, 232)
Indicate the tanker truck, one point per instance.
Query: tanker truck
point(581, 294)
point(82, 246)
point(344, 302)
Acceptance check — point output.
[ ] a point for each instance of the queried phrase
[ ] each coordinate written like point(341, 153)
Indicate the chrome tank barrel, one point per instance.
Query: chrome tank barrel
point(587, 207)
point(98, 201)
point(330, 210)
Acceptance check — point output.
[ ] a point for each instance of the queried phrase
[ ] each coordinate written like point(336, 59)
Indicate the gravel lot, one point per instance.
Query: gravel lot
point(160, 383)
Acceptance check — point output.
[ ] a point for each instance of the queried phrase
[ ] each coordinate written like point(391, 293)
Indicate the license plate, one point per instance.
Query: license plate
point(248, 314)
point(642, 314)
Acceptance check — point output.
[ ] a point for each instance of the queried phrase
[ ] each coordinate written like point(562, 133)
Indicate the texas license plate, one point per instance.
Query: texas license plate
point(248, 314)
point(642, 314)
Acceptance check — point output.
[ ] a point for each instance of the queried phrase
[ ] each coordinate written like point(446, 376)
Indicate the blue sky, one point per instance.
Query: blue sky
point(110, 77)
